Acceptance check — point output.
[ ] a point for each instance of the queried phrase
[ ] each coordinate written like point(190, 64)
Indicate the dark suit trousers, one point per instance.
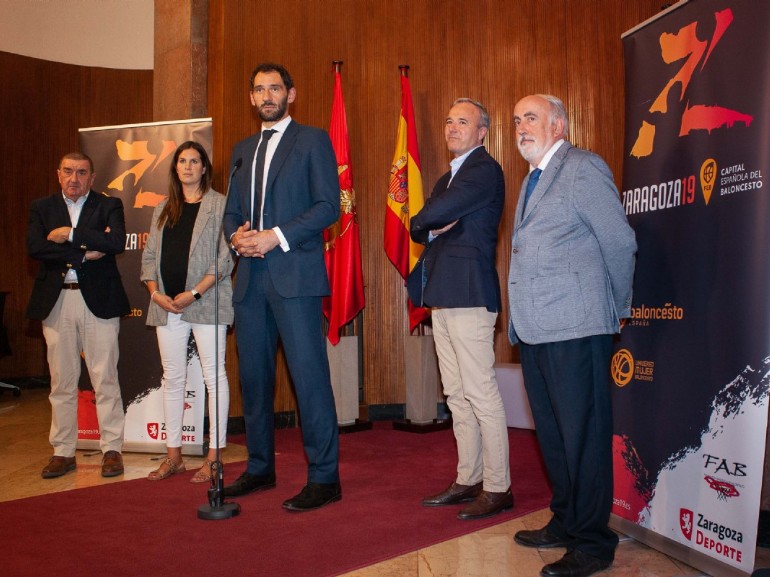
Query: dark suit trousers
point(260, 318)
point(568, 387)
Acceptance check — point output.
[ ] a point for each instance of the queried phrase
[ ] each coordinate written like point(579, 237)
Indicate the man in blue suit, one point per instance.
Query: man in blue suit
point(456, 276)
point(281, 279)
point(569, 284)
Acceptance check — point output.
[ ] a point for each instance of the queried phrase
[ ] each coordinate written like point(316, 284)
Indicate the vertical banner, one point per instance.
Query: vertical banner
point(692, 364)
point(132, 162)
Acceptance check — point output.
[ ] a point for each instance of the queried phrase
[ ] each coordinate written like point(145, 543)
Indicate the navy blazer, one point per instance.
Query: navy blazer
point(459, 265)
point(99, 280)
point(302, 198)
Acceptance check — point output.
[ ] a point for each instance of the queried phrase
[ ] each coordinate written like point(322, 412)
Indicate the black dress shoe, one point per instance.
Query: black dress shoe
point(540, 538)
point(454, 495)
point(314, 496)
point(248, 483)
point(575, 564)
point(486, 505)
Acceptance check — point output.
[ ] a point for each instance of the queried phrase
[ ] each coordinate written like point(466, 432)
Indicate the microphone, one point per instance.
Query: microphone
point(217, 509)
point(236, 166)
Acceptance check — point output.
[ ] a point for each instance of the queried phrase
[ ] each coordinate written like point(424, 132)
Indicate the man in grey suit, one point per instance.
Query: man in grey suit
point(280, 281)
point(456, 276)
point(570, 283)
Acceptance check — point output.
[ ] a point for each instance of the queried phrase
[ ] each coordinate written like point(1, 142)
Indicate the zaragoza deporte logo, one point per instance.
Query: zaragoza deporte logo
point(694, 53)
point(622, 367)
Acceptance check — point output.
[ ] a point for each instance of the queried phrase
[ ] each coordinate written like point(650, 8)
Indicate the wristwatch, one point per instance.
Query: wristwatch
point(196, 294)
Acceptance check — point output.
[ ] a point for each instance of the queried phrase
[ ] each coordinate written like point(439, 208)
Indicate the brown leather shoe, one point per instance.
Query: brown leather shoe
point(112, 464)
point(486, 505)
point(58, 466)
point(453, 495)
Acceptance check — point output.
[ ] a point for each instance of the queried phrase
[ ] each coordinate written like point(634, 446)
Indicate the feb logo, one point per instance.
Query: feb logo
point(708, 174)
point(152, 430)
point(685, 523)
point(622, 367)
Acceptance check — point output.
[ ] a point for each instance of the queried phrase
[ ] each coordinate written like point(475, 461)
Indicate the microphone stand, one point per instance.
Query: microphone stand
point(217, 509)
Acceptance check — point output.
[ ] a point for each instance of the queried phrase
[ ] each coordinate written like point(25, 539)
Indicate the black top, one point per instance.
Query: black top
point(175, 250)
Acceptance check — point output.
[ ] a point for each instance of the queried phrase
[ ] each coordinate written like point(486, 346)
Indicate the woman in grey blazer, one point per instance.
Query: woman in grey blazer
point(178, 269)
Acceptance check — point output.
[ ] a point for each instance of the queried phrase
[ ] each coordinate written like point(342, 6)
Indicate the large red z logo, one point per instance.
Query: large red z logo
point(685, 45)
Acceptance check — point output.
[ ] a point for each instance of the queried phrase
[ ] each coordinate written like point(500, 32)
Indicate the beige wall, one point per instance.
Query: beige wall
point(80, 32)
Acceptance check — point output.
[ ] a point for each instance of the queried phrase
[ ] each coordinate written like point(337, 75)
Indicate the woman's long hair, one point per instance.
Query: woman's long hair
point(172, 212)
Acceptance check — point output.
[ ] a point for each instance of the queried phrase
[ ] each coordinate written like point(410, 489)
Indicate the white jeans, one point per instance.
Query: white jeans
point(172, 342)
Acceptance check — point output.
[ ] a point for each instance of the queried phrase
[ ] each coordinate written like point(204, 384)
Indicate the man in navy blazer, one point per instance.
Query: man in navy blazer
point(456, 276)
point(78, 295)
point(570, 283)
point(281, 279)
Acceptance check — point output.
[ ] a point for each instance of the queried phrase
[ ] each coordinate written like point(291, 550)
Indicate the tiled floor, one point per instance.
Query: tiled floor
point(24, 450)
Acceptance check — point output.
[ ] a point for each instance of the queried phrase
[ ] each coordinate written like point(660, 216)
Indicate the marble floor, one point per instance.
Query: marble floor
point(491, 552)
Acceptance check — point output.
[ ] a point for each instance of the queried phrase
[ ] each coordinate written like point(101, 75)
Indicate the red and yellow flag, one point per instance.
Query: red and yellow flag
point(341, 240)
point(405, 197)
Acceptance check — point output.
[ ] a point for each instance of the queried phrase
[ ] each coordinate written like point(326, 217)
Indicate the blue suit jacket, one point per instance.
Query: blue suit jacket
point(301, 197)
point(572, 253)
point(459, 264)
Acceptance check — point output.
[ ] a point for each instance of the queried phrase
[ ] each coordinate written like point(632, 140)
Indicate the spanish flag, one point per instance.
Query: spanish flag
point(405, 197)
point(341, 240)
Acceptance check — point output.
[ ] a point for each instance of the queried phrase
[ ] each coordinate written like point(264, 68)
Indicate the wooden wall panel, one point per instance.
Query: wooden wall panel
point(490, 50)
point(43, 104)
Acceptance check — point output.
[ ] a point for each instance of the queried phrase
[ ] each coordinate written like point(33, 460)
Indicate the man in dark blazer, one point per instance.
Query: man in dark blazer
point(78, 295)
point(456, 276)
point(281, 279)
point(570, 283)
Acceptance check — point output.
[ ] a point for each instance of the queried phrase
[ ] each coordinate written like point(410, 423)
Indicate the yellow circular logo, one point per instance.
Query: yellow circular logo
point(622, 367)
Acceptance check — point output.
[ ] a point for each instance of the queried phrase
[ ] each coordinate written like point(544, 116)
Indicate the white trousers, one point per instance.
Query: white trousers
point(172, 342)
point(71, 328)
point(464, 339)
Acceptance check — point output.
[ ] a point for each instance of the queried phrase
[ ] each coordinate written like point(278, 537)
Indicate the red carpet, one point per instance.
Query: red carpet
point(142, 528)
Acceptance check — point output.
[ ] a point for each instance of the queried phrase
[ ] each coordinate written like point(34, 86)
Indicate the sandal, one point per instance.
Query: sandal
point(171, 468)
point(201, 475)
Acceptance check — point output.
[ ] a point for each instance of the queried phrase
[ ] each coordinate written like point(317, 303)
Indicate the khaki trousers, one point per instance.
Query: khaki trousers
point(69, 329)
point(464, 339)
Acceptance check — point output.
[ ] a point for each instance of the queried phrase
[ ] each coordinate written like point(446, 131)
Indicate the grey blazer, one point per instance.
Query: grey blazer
point(208, 227)
point(572, 253)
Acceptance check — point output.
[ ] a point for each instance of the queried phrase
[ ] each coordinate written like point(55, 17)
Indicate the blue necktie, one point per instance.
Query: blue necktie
point(534, 176)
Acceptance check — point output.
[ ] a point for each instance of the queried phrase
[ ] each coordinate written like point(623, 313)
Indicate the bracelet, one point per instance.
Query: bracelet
point(153, 295)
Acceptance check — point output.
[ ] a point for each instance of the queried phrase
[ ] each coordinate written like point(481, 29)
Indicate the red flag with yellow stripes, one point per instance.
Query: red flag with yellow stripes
point(405, 197)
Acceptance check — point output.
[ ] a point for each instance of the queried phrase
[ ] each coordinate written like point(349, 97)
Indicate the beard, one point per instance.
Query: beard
point(529, 150)
point(276, 113)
